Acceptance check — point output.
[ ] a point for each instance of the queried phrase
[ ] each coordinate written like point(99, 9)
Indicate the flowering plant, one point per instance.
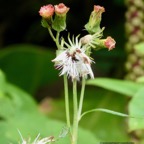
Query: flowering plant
point(73, 58)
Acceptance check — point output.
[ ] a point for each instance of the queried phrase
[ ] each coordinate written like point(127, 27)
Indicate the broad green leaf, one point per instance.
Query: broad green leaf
point(28, 66)
point(2, 80)
point(18, 111)
point(124, 87)
point(104, 126)
point(13, 100)
point(106, 111)
point(31, 124)
point(136, 107)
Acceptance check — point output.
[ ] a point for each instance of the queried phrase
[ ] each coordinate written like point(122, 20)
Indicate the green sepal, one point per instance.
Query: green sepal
point(59, 23)
point(46, 23)
point(93, 24)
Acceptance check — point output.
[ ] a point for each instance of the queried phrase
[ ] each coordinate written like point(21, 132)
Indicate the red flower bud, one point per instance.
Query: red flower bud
point(98, 8)
point(93, 25)
point(61, 9)
point(109, 43)
point(46, 11)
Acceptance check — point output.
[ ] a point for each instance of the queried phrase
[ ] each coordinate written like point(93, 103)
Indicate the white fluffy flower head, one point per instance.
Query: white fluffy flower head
point(73, 61)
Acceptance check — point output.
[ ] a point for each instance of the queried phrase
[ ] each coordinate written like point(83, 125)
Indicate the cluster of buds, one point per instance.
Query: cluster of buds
point(135, 35)
point(54, 16)
point(96, 43)
point(73, 58)
point(93, 39)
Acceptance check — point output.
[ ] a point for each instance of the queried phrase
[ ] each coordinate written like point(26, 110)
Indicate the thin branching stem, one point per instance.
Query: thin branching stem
point(51, 34)
point(81, 98)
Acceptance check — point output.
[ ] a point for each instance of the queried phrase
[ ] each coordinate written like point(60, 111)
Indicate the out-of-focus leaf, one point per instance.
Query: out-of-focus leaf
point(136, 107)
point(28, 66)
point(128, 88)
point(105, 127)
point(18, 111)
point(13, 100)
point(31, 124)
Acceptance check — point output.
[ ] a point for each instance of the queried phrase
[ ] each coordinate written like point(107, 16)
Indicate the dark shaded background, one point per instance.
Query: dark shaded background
point(20, 21)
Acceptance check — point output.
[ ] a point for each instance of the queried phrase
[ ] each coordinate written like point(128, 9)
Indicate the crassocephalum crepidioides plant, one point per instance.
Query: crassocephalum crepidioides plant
point(73, 57)
point(74, 62)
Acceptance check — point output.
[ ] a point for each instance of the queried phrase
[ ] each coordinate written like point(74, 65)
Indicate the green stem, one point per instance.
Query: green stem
point(57, 40)
point(81, 98)
point(67, 101)
point(75, 117)
point(51, 34)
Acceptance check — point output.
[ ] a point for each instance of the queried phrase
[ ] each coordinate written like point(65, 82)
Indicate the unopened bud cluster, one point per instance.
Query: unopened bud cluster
point(54, 16)
point(135, 34)
point(93, 39)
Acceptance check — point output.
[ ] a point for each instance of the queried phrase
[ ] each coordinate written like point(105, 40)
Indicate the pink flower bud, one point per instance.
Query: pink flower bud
point(98, 9)
point(61, 9)
point(109, 43)
point(47, 11)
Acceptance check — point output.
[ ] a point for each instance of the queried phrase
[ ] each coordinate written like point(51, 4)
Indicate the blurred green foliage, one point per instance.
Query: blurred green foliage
point(28, 66)
point(18, 111)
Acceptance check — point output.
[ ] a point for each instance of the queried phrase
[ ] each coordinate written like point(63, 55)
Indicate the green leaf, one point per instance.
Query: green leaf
point(44, 23)
point(28, 66)
point(105, 127)
point(106, 111)
point(13, 100)
point(18, 111)
point(31, 124)
point(124, 87)
point(2, 80)
point(136, 107)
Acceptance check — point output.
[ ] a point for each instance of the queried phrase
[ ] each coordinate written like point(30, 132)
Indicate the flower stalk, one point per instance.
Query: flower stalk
point(75, 114)
point(67, 102)
point(81, 98)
